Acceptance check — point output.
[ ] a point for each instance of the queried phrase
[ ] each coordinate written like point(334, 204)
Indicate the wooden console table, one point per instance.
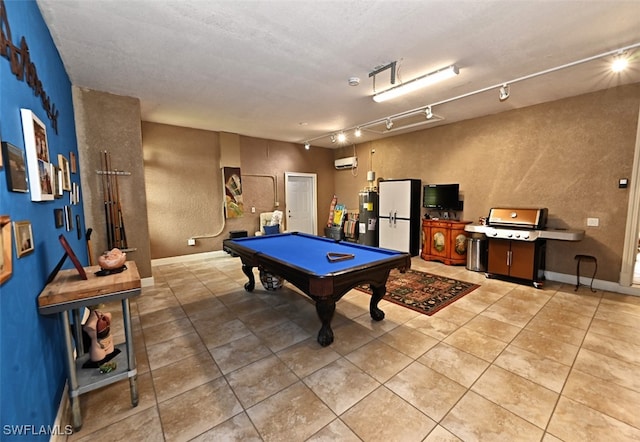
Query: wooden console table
point(444, 240)
point(68, 293)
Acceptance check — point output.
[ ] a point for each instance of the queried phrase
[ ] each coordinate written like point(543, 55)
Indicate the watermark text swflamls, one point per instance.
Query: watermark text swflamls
point(36, 430)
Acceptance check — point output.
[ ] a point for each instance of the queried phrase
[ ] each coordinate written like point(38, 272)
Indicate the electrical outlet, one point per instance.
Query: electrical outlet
point(191, 242)
point(253, 210)
point(593, 222)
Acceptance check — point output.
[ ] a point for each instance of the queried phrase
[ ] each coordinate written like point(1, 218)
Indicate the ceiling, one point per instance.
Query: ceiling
point(279, 69)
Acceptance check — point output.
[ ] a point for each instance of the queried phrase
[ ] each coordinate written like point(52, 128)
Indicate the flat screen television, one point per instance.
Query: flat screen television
point(441, 196)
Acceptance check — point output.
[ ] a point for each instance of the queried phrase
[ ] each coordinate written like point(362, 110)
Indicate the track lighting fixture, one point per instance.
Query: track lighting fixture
point(307, 146)
point(342, 137)
point(428, 113)
point(357, 132)
point(504, 92)
point(333, 138)
point(620, 63)
point(389, 124)
point(416, 83)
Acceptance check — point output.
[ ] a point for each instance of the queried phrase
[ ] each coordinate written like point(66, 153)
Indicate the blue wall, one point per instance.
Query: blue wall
point(32, 371)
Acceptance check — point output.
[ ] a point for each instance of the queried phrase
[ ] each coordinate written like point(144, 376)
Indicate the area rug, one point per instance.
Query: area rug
point(423, 292)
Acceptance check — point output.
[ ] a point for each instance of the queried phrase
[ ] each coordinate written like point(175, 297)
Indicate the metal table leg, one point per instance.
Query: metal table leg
point(131, 357)
point(76, 416)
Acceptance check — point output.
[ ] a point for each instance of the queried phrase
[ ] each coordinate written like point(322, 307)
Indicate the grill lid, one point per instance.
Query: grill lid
point(524, 218)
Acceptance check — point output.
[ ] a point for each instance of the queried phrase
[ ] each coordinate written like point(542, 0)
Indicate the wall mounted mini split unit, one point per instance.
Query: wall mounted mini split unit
point(346, 163)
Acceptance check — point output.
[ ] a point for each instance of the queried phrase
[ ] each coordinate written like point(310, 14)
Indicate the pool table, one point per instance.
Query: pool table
point(304, 261)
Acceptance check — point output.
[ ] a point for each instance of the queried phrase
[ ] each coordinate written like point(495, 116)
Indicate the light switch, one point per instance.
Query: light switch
point(593, 222)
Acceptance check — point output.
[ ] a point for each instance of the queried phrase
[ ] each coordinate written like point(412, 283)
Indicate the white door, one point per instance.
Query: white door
point(301, 200)
point(394, 234)
point(395, 198)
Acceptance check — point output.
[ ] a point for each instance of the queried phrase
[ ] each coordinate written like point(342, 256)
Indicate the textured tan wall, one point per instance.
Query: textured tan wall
point(184, 185)
point(566, 155)
point(112, 123)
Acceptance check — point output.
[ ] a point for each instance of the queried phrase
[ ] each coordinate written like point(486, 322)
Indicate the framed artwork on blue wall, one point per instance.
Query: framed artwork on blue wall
point(38, 161)
point(16, 168)
point(24, 237)
point(5, 248)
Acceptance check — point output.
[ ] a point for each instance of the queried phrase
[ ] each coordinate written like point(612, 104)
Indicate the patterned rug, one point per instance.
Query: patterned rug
point(423, 292)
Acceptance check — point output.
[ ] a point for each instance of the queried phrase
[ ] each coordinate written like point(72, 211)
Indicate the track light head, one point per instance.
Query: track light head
point(504, 92)
point(342, 137)
point(428, 113)
point(333, 138)
point(620, 62)
point(389, 124)
point(357, 132)
point(307, 146)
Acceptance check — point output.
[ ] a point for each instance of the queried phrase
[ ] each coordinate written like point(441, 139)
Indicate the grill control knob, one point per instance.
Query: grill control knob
point(509, 235)
point(526, 236)
point(518, 235)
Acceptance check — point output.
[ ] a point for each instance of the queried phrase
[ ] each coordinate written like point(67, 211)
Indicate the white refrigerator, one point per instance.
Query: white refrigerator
point(399, 215)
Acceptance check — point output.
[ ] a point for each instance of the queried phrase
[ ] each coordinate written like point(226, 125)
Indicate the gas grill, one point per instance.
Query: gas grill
point(517, 242)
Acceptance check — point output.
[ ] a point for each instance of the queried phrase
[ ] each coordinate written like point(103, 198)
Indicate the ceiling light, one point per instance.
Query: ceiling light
point(620, 63)
point(504, 92)
point(342, 137)
point(354, 81)
point(428, 113)
point(307, 146)
point(357, 132)
point(389, 124)
point(416, 83)
point(333, 138)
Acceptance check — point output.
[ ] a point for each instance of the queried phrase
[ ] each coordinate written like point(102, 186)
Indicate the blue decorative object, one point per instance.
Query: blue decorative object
point(271, 230)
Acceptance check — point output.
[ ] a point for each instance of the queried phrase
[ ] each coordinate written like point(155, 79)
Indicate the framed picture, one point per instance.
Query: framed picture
point(56, 180)
point(37, 150)
point(68, 218)
point(24, 237)
point(16, 168)
point(63, 164)
point(74, 259)
point(58, 215)
point(73, 164)
point(5, 248)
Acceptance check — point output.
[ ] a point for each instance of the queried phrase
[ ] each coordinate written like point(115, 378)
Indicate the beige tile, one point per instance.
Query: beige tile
point(105, 406)
point(554, 313)
point(174, 350)
point(222, 333)
point(433, 326)
point(621, 303)
point(340, 385)
point(456, 364)
point(608, 369)
point(335, 431)
point(575, 422)
point(520, 396)
point(614, 329)
point(160, 316)
point(549, 348)
point(379, 360)
point(290, 415)
point(198, 410)
point(493, 328)
point(608, 398)
point(127, 429)
point(384, 416)
point(475, 343)
point(283, 335)
point(476, 418)
point(543, 371)
point(167, 330)
point(575, 303)
point(397, 313)
point(239, 353)
point(612, 347)
point(409, 341)
point(376, 328)
point(156, 301)
point(307, 356)
point(238, 428)
point(518, 300)
point(185, 374)
point(349, 336)
point(509, 314)
point(259, 380)
point(454, 314)
point(556, 330)
point(610, 314)
point(429, 391)
point(439, 434)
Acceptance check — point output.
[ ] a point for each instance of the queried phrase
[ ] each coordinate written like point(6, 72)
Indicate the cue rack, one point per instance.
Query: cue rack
point(114, 220)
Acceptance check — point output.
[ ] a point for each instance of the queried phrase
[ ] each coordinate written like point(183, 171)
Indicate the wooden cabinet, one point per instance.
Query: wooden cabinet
point(444, 241)
point(521, 260)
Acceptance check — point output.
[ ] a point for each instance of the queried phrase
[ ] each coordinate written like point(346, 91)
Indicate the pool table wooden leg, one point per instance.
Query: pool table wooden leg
point(248, 270)
point(377, 294)
point(325, 311)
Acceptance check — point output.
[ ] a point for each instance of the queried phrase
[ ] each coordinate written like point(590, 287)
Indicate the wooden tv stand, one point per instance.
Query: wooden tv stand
point(444, 240)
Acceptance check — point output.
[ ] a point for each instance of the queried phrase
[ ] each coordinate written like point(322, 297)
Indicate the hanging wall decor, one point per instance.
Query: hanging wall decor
point(37, 149)
point(234, 206)
point(6, 267)
point(16, 168)
point(24, 237)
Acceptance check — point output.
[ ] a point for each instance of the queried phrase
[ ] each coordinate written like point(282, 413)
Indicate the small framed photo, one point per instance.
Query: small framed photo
point(63, 164)
point(58, 215)
point(16, 168)
point(37, 150)
point(6, 248)
point(73, 163)
point(24, 237)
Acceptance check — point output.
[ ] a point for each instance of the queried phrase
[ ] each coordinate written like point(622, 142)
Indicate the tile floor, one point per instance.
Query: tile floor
point(506, 362)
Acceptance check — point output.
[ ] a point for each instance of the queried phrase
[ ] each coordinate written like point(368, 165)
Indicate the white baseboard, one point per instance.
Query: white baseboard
point(186, 258)
point(598, 284)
